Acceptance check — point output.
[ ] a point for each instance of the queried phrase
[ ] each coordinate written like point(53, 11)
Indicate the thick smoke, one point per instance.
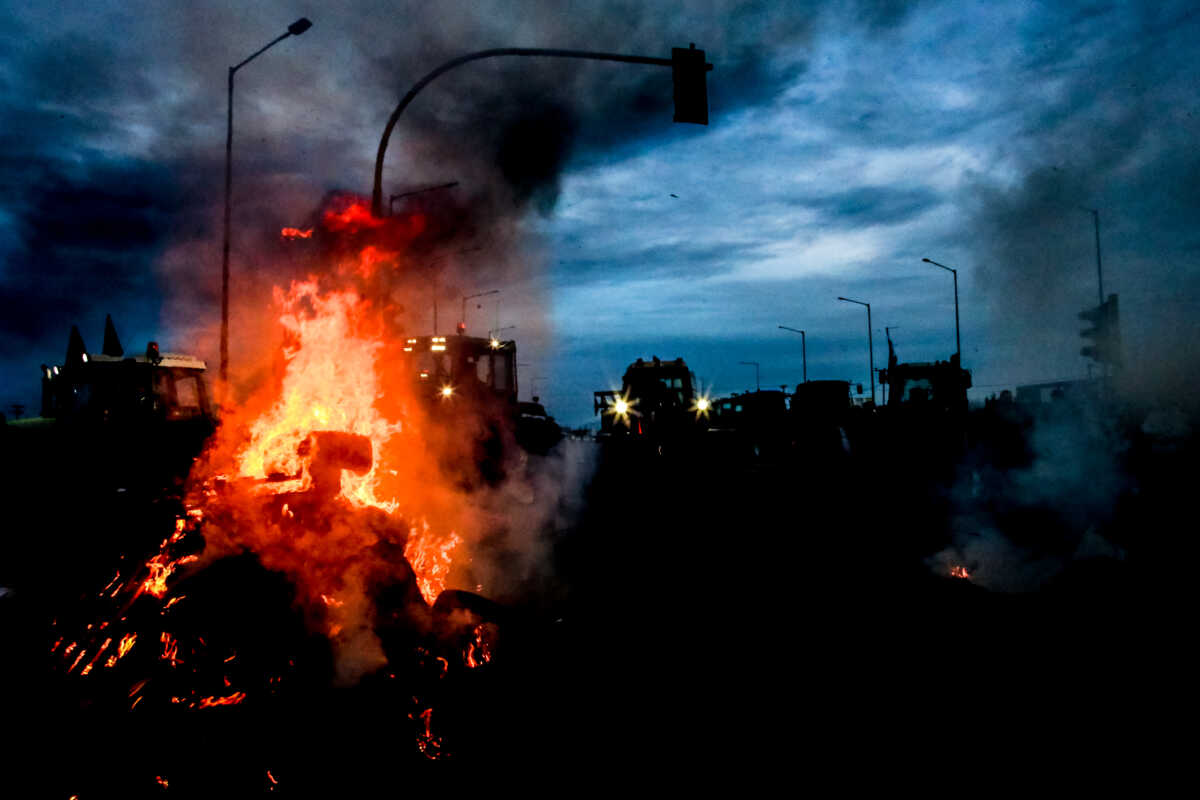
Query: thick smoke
point(1018, 526)
point(1119, 137)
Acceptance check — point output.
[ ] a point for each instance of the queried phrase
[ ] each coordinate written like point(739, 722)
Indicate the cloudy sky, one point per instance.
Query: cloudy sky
point(848, 140)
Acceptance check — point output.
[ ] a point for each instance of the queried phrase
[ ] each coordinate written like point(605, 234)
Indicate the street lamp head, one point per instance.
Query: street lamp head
point(299, 26)
point(926, 260)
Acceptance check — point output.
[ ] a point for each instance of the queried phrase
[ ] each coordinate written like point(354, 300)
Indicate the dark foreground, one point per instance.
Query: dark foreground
point(696, 621)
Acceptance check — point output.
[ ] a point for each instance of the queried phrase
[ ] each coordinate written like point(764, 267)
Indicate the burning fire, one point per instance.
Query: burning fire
point(330, 474)
point(330, 385)
point(342, 424)
point(959, 572)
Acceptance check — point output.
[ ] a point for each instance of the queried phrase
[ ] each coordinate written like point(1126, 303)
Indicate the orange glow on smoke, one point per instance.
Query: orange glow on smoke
point(349, 215)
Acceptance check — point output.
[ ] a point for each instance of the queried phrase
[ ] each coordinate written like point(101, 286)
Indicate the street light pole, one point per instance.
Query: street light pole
point(295, 29)
point(957, 340)
point(870, 343)
point(1099, 275)
point(803, 348)
point(757, 386)
point(463, 319)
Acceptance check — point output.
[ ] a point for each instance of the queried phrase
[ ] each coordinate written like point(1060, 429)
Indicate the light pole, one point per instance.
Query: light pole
point(803, 348)
point(755, 365)
point(954, 272)
point(462, 320)
point(870, 343)
point(295, 29)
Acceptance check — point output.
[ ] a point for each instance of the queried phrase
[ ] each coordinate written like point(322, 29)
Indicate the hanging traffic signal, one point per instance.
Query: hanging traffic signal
point(688, 70)
point(1105, 332)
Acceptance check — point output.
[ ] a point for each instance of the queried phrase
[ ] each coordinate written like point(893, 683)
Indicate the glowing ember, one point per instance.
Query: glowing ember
point(162, 565)
point(170, 652)
point(231, 700)
point(429, 745)
point(99, 652)
point(478, 651)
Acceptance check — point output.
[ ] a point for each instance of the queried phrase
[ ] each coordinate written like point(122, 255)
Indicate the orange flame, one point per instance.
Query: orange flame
point(296, 233)
point(330, 385)
point(430, 557)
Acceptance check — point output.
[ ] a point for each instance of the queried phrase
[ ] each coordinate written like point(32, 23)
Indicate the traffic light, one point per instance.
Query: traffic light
point(1105, 332)
point(691, 87)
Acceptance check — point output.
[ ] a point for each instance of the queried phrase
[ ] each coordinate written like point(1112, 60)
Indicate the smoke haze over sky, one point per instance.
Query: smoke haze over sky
point(847, 141)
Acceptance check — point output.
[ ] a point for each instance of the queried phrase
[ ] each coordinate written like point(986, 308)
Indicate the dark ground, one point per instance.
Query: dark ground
point(700, 621)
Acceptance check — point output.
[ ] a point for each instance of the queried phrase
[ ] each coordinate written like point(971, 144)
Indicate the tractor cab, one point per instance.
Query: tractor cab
point(462, 367)
point(113, 388)
point(657, 399)
point(110, 419)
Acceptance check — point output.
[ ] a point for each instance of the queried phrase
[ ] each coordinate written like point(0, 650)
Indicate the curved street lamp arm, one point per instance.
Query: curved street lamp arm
point(260, 51)
point(377, 194)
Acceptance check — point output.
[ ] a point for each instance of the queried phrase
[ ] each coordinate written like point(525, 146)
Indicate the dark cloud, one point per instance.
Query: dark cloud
point(87, 238)
point(680, 259)
point(873, 205)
